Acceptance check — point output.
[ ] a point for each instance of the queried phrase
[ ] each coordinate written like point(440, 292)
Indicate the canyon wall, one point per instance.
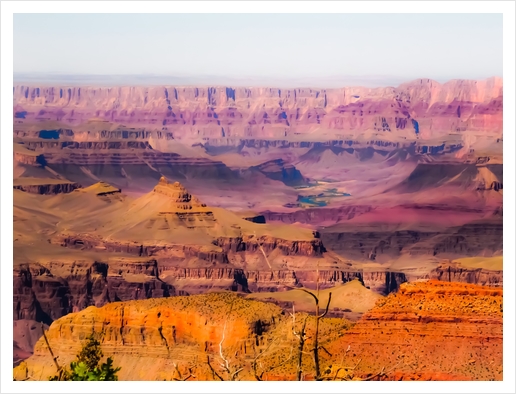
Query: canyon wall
point(49, 188)
point(422, 108)
point(471, 239)
point(452, 272)
point(47, 292)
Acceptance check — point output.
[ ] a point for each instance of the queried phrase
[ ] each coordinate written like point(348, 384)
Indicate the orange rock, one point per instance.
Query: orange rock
point(442, 330)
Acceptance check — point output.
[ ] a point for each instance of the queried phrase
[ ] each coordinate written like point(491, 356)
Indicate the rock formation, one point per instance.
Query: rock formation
point(162, 244)
point(431, 330)
point(269, 189)
point(422, 107)
point(281, 171)
point(454, 272)
point(426, 331)
point(159, 331)
point(47, 188)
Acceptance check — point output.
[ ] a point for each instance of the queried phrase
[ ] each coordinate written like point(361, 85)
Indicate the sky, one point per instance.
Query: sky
point(264, 48)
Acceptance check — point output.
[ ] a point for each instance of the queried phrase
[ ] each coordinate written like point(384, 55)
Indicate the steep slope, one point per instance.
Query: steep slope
point(431, 331)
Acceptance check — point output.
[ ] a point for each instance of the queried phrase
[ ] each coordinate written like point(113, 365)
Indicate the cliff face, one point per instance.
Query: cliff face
point(25, 335)
point(452, 272)
point(158, 332)
point(421, 107)
point(47, 292)
point(226, 246)
point(51, 188)
point(451, 331)
point(29, 159)
point(315, 215)
point(281, 171)
point(471, 239)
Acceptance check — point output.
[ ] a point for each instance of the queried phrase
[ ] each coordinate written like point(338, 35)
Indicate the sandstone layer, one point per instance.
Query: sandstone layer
point(39, 187)
point(427, 331)
point(181, 330)
point(451, 331)
point(421, 107)
point(454, 272)
point(46, 292)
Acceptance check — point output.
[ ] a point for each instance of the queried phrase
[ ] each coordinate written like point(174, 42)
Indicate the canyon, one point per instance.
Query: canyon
point(426, 331)
point(421, 107)
point(155, 197)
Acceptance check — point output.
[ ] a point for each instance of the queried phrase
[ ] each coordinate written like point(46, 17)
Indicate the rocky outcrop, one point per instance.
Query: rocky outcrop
point(426, 331)
point(50, 188)
point(107, 145)
point(28, 159)
point(450, 330)
point(118, 160)
point(281, 171)
point(454, 272)
point(180, 199)
point(317, 215)
point(45, 293)
point(103, 189)
point(126, 167)
point(362, 147)
point(253, 244)
point(158, 331)
point(470, 239)
point(421, 108)
point(25, 335)
point(221, 255)
point(383, 282)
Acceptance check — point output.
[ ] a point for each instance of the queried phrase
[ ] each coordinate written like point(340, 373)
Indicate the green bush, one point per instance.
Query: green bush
point(88, 367)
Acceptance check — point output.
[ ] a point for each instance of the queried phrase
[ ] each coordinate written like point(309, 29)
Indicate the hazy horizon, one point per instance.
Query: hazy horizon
point(159, 80)
point(327, 50)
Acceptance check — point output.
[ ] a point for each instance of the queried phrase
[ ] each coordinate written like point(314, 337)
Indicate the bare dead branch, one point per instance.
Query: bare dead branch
point(325, 350)
point(301, 336)
point(226, 362)
point(214, 373)
point(382, 372)
point(309, 292)
point(59, 369)
point(374, 376)
point(234, 374)
point(327, 306)
point(178, 372)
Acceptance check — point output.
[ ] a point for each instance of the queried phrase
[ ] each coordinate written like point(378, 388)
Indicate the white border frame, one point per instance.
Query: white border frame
point(7, 11)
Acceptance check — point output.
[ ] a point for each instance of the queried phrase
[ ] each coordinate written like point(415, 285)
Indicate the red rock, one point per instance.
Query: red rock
point(196, 113)
point(430, 331)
